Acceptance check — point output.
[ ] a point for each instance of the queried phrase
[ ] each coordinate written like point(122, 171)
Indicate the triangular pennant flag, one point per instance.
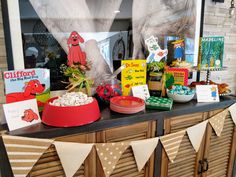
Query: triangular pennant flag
point(72, 155)
point(232, 110)
point(142, 150)
point(217, 122)
point(109, 154)
point(171, 143)
point(195, 134)
point(23, 153)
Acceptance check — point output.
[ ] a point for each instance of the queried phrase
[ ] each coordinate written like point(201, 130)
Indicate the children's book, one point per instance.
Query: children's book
point(167, 39)
point(176, 50)
point(180, 75)
point(27, 84)
point(211, 52)
point(134, 74)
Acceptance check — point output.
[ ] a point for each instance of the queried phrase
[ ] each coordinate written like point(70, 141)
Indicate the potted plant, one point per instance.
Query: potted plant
point(155, 72)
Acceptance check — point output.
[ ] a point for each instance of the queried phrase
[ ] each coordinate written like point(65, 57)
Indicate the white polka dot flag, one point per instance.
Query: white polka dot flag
point(217, 121)
point(171, 144)
point(23, 153)
point(142, 150)
point(196, 133)
point(109, 154)
point(72, 155)
point(232, 110)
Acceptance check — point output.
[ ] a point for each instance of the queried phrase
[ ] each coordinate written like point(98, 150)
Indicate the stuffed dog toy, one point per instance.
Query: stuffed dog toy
point(32, 88)
point(75, 54)
point(29, 115)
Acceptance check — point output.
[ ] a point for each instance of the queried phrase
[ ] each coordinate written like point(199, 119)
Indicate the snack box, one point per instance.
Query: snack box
point(159, 103)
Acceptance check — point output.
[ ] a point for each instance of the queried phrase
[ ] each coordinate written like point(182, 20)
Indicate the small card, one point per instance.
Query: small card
point(21, 114)
point(141, 91)
point(207, 93)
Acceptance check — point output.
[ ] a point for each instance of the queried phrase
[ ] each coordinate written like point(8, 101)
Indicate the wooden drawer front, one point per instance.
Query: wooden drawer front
point(49, 164)
point(126, 166)
point(220, 150)
point(185, 162)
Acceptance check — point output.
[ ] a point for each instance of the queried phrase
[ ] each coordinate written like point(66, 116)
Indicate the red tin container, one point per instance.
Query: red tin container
point(70, 116)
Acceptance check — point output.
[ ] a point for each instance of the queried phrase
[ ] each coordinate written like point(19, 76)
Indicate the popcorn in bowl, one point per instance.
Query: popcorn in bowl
point(72, 99)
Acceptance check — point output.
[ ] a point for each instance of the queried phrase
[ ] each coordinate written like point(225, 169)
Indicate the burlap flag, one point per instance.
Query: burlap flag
point(217, 121)
point(142, 150)
point(72, 155)
point(171, 143)
point(109, 154)
point(195, 134)
point(232, 110)
point(23, 152)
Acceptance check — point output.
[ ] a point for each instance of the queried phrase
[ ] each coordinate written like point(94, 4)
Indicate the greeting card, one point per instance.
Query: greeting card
point(21, 114)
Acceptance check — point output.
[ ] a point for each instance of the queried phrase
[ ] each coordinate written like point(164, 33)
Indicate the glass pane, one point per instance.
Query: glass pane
point(120, 28)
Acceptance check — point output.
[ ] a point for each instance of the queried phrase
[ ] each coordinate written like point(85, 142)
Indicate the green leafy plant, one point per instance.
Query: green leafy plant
point(169, 80)
point(156, 66)
point(77, 79)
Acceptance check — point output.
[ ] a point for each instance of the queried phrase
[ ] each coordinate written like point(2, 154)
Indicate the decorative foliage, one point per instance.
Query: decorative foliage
point(108, 91)
point(156, 66)
point(169, 80)
point(77, 79)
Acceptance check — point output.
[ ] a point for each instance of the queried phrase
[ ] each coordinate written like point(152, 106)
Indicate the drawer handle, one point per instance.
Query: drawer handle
point(205, 165)
point(200, 166)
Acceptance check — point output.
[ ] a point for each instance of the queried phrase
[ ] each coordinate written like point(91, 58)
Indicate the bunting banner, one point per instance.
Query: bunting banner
point(171, 143)
point(232, 110)
point(109, 154)
point(72, 155)
point(23, 153)
point(217, 121)
point(196, 133)
point(142, 150)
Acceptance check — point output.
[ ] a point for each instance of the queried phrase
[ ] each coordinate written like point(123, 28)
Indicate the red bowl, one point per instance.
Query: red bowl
point(70, 116)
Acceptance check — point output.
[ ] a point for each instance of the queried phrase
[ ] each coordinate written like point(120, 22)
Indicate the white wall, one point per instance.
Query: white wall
point(217, 22)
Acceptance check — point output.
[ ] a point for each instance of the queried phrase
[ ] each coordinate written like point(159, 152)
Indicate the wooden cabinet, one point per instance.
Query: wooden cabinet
point(49, 164)
point(219, 152)
point(186, 161)
point(126, 166)
point(215, 157)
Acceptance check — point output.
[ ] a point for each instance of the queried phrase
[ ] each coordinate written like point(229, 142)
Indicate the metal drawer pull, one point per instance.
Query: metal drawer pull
point(205, 165)
point(200, 166)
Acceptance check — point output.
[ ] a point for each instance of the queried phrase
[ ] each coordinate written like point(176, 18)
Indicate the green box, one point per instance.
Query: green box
point(159, 103)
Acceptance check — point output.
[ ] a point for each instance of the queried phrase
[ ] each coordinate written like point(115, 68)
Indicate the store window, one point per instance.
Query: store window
point(119, 27)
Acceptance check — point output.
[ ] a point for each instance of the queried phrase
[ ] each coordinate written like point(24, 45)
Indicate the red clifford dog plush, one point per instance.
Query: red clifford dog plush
point(75, 54)
point(29, 115)
point(32, 88)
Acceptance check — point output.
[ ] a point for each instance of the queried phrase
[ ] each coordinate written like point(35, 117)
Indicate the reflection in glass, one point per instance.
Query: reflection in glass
point(113, 29)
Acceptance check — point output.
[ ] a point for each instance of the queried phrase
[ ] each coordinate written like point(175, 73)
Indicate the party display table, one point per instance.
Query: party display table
point(215, 157)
